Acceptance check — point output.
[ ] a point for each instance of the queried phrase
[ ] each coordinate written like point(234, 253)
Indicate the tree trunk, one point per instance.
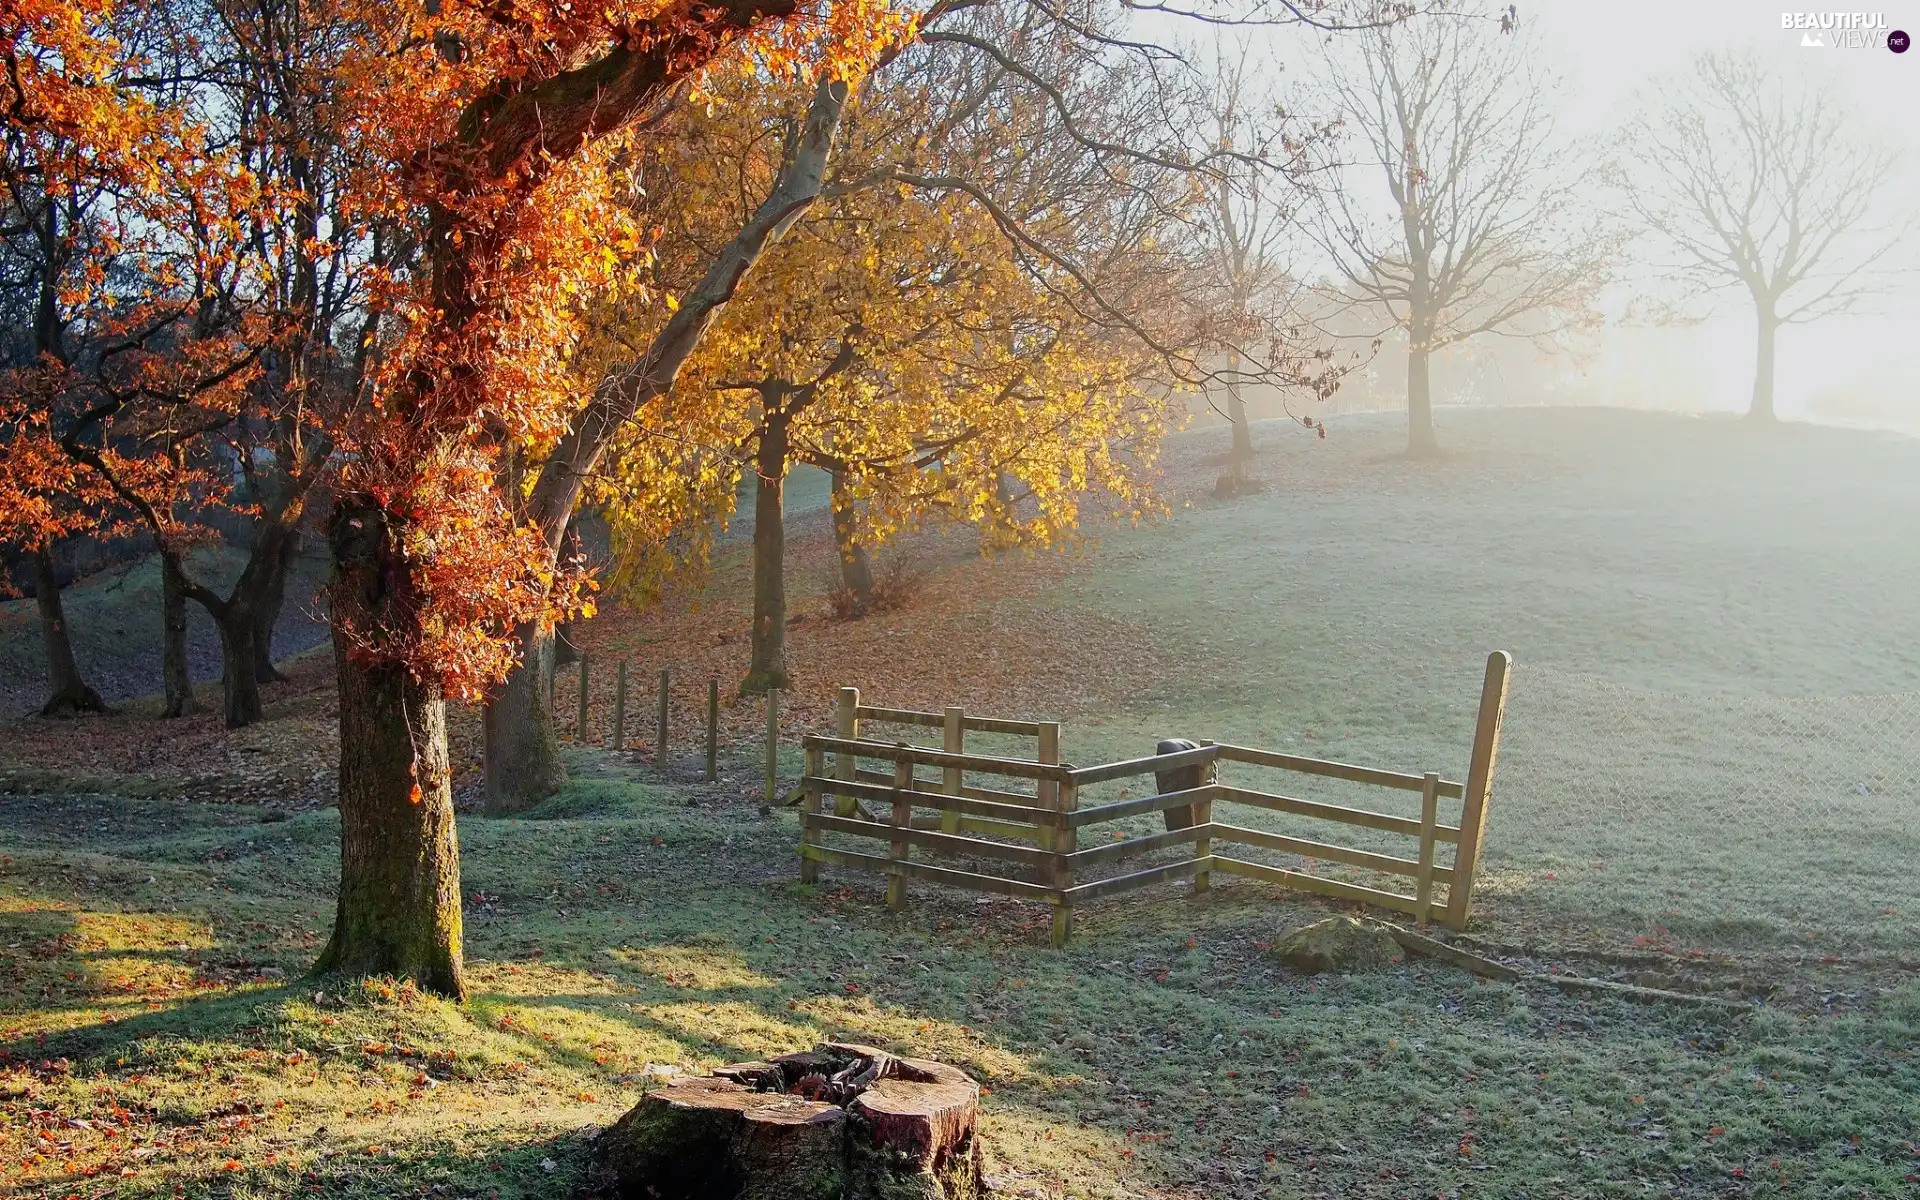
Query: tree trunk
point(176, 681)
point(239, 678)
point(856, 568)
point(272, 599)
point(399, 906)
point(68, 692)
point(1242, 452)
point(523, 765)
point(1421, 442)
point(768, 669)
point(1762, 410)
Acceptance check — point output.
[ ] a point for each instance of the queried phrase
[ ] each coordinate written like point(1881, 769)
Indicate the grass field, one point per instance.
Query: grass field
point(159, 1040)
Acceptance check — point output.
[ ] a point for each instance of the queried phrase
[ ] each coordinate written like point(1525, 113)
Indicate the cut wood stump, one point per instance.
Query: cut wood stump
point(838, 1122)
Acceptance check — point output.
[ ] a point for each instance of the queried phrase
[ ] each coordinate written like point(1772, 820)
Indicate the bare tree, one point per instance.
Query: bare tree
point(1735, 170)
point(1479, 230)
point(1247, 223)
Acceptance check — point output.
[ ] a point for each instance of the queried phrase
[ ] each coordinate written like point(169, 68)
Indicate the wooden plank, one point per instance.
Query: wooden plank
point(931, 839)
point(846, 723)
point(1335, 812)
point(1138, 879)
point(985, 764)
point(933, 720)
point(900, 848)
point(953, 741)
point(1146, 766)
point(810, 806)
point(1064, 840)
point(1202, 816)
point(898, 716)
point(966, 789)
point(660, 721)
point(933, 874)
point(713, 730)
point(1473, 809)
point(1315, 884)
point(1326, 768)
point(1100, 813)
point(1384, 863)
point(1002, 725)
point(1132, 847)
point(1419, 943)
point(620, 706)
point(1429, 820)
point(1020, 814)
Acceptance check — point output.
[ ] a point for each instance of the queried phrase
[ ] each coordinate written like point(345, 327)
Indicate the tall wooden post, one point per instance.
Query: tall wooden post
point(809, 806)
point(1479, 789)
point(1047, 750)
point(900, 850)
point(846, 724)
point(1065, 841)
point(620, 706)
point(1429, 819)
point(580, 720)
point(713, 729)
point(1203, 847)
point(954, 741)
point(773, 745)
point(660, 737)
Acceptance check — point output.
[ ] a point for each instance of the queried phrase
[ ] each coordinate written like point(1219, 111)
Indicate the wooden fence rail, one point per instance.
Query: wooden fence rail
point(1040, 828)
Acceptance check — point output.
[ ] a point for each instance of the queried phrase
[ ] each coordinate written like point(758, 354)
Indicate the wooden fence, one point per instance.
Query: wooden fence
point(1026, 813)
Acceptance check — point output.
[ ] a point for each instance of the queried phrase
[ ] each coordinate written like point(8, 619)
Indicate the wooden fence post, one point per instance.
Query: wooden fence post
point(773, 746)
point(620, 706)
point(809, 806)
point(1202, 811)
point(580, 721)
point(1065, 841)
point(846, 724)
point(1429, 819)
point(1479, 787)
point(1047, 750)
point(955, 742)
point(900, 850)
point(660, 739)
point(713, 729)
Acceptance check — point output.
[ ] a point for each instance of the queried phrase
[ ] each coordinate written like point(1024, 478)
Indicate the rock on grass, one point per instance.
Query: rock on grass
point(1339, 944)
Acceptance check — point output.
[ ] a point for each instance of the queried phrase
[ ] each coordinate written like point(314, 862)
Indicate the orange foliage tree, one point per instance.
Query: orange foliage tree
point(493, 130)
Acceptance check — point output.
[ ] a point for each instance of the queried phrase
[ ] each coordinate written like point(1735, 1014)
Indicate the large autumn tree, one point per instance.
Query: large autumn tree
point(1029, 114)
point(898, 340)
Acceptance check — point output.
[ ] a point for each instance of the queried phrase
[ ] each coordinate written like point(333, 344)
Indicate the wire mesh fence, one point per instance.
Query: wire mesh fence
point(1774, 811)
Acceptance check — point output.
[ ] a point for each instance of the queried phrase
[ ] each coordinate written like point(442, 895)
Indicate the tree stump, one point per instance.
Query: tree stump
point(838, 1122)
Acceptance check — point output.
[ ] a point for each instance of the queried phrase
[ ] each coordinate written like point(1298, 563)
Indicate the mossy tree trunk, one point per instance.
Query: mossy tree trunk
point(856, 568)
point(175, 678)
point(272, 601)
point(399, 903)
point(67, 691)
point(523, 764)
point(768, 669)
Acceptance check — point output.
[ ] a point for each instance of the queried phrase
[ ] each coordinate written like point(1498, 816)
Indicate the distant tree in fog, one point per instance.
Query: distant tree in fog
point(1750, 181)
point(1247, 219)
point(1478, 228)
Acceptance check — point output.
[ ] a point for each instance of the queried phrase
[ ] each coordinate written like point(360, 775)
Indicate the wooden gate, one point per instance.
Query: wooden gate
point(995, 815)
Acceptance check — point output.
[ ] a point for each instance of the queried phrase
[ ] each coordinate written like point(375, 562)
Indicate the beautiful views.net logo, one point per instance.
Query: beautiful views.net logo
point(1844, 31)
